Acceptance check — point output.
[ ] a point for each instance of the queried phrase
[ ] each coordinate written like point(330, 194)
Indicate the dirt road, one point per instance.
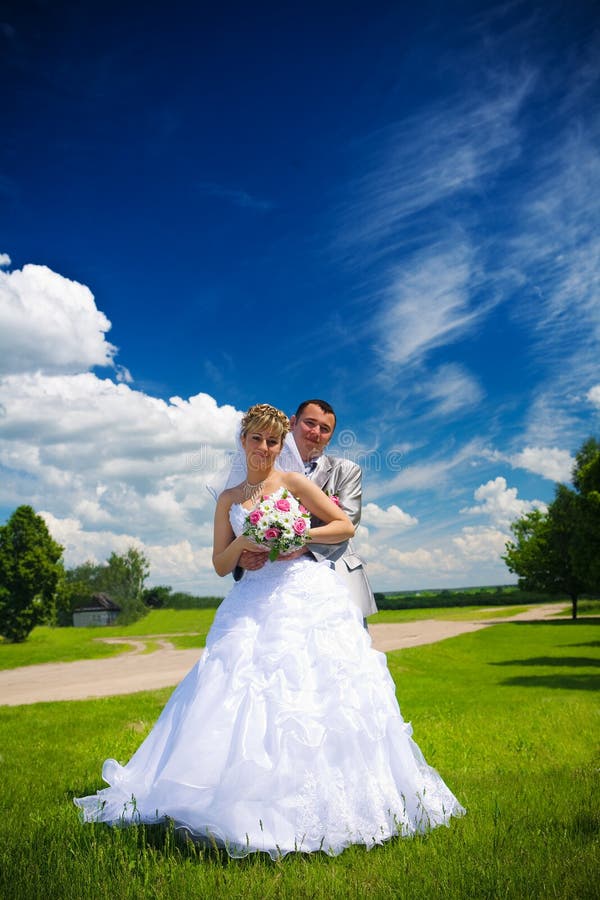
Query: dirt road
point(136, 670)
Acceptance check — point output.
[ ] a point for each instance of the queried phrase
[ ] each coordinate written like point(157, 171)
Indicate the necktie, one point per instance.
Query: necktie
point(310, 466)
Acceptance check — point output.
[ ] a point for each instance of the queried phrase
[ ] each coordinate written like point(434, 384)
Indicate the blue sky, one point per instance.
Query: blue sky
point(392, 206)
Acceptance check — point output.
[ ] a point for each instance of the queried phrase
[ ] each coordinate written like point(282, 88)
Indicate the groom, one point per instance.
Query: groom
point(312, 428)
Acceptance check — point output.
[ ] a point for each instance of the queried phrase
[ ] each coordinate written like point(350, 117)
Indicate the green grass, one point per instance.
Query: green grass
point(185, 628)
point(509, 715)
point(46, 644)
point(446, 614)
point(584, 608)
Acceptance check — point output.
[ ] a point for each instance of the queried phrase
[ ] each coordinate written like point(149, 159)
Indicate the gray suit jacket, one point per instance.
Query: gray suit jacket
point(343, 478)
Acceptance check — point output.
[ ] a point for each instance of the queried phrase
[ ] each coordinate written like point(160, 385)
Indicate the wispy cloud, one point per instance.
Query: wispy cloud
point(451, 389)
point(557, 252)
point(558, 244)
point(416, 215)
point(421, 162)
point(433, 475)
point(235, 196)
point(427, 304)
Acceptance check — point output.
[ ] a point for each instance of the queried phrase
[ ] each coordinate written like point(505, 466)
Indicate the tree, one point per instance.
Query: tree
point(558, 552)
point(30, 570)
point(540, 556)
point(76, 589)
point(158, 596)
point(121, 577)
point(586, 544)
point(586, 471)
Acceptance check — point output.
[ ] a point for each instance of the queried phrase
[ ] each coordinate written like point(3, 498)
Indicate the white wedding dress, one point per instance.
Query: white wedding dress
point(286, 735)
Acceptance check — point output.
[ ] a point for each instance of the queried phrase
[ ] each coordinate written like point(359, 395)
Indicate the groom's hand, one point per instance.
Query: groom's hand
point(293, 555)
point(253, 559)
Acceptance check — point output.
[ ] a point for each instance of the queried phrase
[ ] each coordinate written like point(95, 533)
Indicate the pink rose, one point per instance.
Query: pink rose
point(299, 526)
point(255, 516)
point(302, 509)
point(335, 499)
point(283, 504)
point(271, 534)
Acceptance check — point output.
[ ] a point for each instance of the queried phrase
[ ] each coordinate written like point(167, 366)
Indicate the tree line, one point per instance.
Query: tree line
point(500, 595)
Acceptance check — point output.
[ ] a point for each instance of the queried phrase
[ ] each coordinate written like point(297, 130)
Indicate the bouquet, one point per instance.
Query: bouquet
point(279, 522)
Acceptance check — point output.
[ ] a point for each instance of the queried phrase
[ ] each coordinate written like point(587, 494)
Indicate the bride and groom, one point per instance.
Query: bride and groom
point(311, 429)
point(286, 735)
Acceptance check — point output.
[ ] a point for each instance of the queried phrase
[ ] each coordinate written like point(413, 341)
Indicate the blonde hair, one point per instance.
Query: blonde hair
point(262, 417)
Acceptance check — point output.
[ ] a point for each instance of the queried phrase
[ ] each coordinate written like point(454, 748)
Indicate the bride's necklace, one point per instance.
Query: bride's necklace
point(251, 491)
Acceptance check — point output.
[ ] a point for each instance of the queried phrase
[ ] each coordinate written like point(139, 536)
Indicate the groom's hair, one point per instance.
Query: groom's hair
point(322, 404)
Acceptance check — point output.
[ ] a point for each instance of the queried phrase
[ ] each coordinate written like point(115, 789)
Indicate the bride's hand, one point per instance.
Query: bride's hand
point(253, 558)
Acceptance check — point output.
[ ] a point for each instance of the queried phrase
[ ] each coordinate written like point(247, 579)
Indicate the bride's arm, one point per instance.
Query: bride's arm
point(226, 546)
point(337, 527)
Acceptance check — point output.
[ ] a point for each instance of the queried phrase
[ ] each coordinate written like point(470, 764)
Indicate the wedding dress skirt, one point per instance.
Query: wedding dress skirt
point(285, 736)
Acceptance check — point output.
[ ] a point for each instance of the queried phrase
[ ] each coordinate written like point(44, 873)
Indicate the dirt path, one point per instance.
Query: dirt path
point(139, 671)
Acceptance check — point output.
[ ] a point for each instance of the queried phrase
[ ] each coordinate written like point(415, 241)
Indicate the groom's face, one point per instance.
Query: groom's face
point(312, 430)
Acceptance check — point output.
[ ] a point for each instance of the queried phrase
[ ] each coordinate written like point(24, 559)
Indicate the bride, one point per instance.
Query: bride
point(286, 735)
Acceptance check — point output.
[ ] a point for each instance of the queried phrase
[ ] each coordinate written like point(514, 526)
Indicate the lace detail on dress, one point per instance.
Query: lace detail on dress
point(237, 517)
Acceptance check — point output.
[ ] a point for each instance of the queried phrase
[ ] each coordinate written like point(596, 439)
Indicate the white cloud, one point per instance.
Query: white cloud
point(179, 564)
point(391, 518)
point(500, 503)
point(481, 543)
point(82, 544)
point(75, 434)
point(4, 260)
point(471, 557)
point(91, 512)
point(593, 395)
point(550, 462)
point(112, 466)
point(49, 323)
point(434, 560)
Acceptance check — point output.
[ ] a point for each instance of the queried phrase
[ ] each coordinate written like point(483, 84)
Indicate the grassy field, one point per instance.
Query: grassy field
point(447, 614)
point(189, 627)
point(509, 715)
point(184, 628)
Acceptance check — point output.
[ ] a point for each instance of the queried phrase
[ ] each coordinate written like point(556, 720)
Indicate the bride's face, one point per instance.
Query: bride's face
point(262, 449)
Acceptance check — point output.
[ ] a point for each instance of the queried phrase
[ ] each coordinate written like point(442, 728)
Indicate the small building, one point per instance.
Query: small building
point(100, 610)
